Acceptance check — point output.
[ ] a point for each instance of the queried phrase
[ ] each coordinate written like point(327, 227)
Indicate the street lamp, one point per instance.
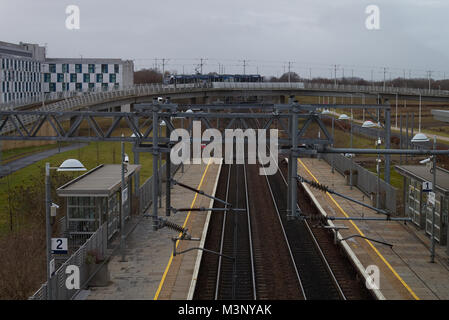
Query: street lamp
point(327, 112)
point(419, 138)
point(346, 117)
point(370, 124)
point(378, 162)
point(50, 208)
point(433, 170)
point(343, 117)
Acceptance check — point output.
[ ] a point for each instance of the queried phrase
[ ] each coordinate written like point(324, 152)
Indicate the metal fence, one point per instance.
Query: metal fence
point(97, 244)
point(366, 181)
point(146, 190)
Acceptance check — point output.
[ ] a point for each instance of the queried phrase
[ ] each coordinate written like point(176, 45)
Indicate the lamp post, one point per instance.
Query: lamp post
point(434, 187)
point(125, 161)
point(345, 117)
point(421, 138)
point(326, 112)
point(67, 165)
point(378, 143)
point(370, 124)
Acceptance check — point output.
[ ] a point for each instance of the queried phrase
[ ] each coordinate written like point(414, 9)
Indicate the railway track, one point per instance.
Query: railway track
point(272, 258)
point(350, 285)
point(230, 235)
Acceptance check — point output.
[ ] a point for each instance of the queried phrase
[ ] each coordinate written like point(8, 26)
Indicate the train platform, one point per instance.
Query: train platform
point(150, 270)
point(405, 269)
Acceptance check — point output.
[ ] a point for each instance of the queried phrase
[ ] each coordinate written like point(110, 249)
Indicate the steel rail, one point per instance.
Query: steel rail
point(285, 237)
point(317, 245)
point(283, 230)
point(217, 285)
point(249, 234)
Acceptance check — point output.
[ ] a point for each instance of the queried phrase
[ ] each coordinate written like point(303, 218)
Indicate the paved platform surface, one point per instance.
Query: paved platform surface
point(405, 270)
point(151, 272)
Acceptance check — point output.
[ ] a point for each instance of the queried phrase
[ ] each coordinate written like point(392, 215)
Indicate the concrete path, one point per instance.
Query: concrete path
point(21, 163)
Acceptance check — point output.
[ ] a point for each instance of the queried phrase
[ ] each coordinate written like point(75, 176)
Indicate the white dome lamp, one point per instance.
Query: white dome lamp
point(368, 124)
point(326, 111)
point(189, 111)
point(71, 165)
point(162, 123)
point(343, 117)
point(420, 138)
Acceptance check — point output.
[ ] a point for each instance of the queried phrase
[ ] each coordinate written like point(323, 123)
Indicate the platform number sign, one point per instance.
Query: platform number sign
point(59, 245)
point(426, 186)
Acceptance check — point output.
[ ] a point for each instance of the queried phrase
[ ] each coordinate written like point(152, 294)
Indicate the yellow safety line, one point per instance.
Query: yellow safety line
point(369, 242)
point(156, 296)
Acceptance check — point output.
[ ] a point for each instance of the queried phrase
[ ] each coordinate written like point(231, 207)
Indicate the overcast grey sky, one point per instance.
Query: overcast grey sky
point(312, 34)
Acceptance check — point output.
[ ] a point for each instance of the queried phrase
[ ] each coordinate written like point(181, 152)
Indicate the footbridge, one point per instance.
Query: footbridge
point(269, 91)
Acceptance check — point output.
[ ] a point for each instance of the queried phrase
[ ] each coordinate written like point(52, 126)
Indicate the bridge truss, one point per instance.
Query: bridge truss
point(145, 120)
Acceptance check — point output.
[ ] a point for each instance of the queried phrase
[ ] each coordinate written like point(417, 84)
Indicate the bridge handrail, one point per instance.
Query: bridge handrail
point(70, 100)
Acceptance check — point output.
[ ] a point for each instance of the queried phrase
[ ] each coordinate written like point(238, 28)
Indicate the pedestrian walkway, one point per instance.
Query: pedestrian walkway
point(405, 270)
point(150, 270)
point(21, 163)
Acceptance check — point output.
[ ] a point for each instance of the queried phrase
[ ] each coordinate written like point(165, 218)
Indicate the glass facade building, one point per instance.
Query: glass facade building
point(26, 72)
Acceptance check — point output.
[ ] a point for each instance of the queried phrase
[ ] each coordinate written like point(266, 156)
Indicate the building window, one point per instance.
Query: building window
point(104, 86)
point(52, 68)
point(99, 77)
point(60, 77)
point(91, 68)
point(78, 86)
point(73, 77)
point(112, 77)
point(65, 68)
point(116, 85)
point(104, 68)
point(52, 87)
point(116, 68)
point(78, 68)
point(86, 77)
point(91, 86)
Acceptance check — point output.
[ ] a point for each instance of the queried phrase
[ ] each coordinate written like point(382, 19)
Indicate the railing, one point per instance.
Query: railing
point(366, 181)
point(78, 100)
point(72, 99)
point(146, 190)
point(96, 243)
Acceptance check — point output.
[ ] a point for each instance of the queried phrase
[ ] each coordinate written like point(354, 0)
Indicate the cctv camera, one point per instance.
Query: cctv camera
point(425, 161)
point(126, 160)
point(160, 99)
